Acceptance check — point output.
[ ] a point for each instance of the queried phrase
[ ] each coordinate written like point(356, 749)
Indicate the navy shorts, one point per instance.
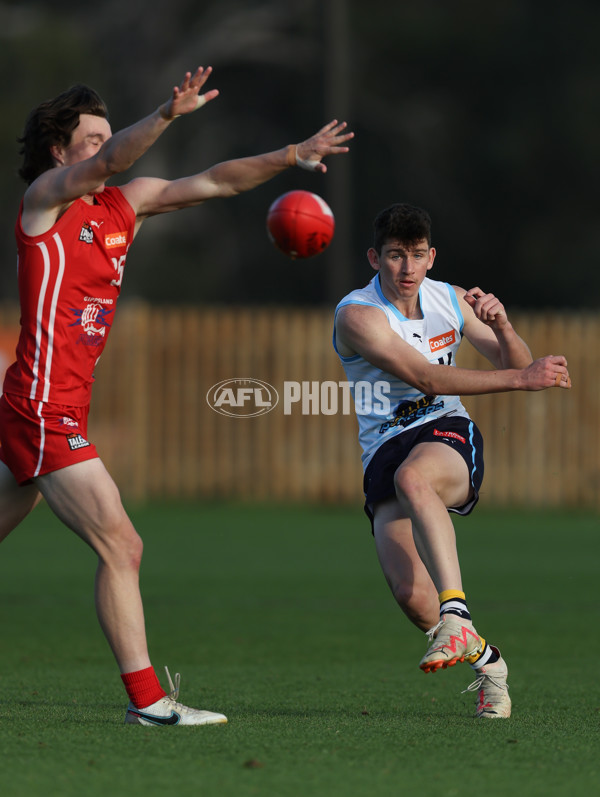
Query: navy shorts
point(460, 433)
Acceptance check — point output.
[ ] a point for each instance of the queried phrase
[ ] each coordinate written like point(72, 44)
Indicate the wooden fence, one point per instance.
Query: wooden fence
point(159, 437)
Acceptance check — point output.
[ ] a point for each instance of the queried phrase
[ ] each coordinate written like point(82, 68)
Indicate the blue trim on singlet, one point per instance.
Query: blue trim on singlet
point(457, 310)
point(393, 308)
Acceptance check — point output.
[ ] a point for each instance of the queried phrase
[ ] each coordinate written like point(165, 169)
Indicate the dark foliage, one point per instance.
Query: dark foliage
point(486, 115)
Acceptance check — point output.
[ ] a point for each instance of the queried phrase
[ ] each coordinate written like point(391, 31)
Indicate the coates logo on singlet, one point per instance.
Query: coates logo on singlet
point(113, 239)
point(441, 341)
point(242, 398)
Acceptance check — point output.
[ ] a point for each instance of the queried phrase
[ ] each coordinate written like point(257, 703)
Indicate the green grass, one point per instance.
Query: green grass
point(280, 617)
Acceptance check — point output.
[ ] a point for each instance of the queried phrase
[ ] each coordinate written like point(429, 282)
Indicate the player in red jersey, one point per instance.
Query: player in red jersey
point(73, 235)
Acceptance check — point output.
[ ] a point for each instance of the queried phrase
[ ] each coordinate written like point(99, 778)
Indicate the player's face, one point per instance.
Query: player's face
point(402, 267)
point(87, 138)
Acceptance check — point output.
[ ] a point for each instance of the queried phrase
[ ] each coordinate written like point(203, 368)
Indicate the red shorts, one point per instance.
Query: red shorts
point(38, 438)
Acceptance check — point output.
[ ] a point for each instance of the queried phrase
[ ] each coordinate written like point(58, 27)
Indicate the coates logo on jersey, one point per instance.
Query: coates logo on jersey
point(441, 341)
point(93, 319)
point(242, 398)
point(114, 239)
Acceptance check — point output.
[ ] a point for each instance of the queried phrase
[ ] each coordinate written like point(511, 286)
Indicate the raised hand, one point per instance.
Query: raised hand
point(487, 307)
point(327, 141)
point(186, 98)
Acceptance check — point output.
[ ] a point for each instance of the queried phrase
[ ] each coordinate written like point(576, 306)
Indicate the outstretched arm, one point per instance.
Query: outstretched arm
point(187, 98)
point(365, 330)
point(106, 155)
point(151, 196)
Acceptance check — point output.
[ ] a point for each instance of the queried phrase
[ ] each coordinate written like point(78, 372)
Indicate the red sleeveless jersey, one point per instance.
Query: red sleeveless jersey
point(69, 281)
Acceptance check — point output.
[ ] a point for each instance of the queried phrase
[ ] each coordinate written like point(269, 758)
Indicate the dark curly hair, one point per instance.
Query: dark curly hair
point(405, 223)
point(52, 123)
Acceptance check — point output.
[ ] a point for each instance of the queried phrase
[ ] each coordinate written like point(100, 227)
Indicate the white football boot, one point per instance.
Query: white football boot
point(493, 700)
point(450, 641)
point(167, 711)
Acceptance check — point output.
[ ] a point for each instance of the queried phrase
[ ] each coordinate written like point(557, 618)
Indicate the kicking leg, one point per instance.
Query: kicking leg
point(405, 573)
point(432, 478)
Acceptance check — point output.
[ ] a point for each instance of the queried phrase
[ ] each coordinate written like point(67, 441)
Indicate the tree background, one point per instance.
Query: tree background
point(488, 115)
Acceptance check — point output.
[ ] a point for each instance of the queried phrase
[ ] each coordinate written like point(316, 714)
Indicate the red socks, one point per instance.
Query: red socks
point(143, 687)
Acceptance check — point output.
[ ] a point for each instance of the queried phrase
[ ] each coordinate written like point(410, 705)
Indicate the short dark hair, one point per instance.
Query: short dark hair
point(404, 222)
point(52, 123)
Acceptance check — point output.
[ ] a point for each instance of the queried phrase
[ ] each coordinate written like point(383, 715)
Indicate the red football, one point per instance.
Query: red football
point(300, 224)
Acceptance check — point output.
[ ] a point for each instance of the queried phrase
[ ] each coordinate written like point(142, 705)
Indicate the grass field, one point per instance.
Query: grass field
point(280, 618)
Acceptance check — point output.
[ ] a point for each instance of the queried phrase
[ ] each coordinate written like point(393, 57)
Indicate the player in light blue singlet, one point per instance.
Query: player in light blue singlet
point(436, 336)
point(423, 456)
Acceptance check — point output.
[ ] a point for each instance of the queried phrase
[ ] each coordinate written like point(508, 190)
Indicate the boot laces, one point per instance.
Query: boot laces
point(433, 631)
point(479, 682)
point(174, 687)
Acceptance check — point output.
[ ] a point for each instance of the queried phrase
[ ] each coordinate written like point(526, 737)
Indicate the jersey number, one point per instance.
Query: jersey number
point(447, 360)
point(119, 266)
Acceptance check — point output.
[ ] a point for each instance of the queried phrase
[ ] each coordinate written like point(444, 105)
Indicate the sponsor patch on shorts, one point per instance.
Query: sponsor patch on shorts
point(76, 441)
point(451, 435)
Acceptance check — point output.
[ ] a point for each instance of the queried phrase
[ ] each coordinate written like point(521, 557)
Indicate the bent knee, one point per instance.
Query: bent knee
point(133, 549)
point(410, 483)
point(121, 546)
